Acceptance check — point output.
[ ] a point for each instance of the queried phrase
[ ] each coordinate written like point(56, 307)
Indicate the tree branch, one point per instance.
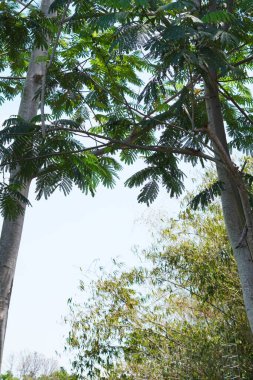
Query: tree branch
point(226, 94)
point(25, 6)
point(246, 60)
point(13, 78)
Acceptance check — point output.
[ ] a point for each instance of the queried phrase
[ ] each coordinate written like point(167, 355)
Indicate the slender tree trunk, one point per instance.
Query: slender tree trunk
point(236, 209)
point(12, 229)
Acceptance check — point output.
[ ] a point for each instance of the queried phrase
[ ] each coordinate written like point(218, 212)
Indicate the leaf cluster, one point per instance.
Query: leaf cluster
point(58, 161)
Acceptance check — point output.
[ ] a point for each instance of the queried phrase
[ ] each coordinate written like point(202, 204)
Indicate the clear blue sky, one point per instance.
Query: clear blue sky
point(62, 235)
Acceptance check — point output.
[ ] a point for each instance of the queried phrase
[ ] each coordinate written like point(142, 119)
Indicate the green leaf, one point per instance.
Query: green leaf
point(141, 176)
point(207, 195)
point(149, 193)
point(12, 202)
point(215, 17)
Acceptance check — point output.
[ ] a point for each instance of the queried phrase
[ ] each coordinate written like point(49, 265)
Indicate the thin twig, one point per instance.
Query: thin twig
point(244, 164)
point(246, 60)
point(25, 6)
point(226, 94)
point(13, 78)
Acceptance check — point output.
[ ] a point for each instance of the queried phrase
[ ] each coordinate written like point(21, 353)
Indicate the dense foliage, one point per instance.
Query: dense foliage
point(95, 77)
point(179, 315)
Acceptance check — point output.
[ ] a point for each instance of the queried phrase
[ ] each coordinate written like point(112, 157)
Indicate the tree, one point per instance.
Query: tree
point(12, 229)
point(176, 316)
point(33, 365)
point(26, 152)
point(198, 85)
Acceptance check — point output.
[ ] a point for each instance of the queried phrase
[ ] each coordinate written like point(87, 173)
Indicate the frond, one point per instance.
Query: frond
point(104, 21)
point(128, 156)
point(149, 193)
point(205, 197)
point(141, 176)
point(240, 130)
point(152, 92)
point(12, 202)
point(130, 37)
point(57, 4)
point(216, 17)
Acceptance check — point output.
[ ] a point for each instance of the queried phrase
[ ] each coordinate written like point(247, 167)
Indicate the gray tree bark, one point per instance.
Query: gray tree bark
point(12, 229)
point(235, 203)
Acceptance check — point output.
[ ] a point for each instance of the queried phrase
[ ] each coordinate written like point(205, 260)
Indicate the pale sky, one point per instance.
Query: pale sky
point(62, 235)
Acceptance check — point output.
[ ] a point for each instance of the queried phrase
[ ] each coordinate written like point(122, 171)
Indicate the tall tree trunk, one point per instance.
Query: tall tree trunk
point(12, 229)
point(236, 209)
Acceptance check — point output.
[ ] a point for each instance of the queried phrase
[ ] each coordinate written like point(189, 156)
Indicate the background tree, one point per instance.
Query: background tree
point(57, 375)
point(32, 366)
point(176, 316)
point(8, 376)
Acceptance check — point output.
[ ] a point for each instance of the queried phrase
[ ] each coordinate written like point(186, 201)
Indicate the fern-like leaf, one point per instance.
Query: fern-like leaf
point(207, 195)
point(12, 202)
point(149, 193)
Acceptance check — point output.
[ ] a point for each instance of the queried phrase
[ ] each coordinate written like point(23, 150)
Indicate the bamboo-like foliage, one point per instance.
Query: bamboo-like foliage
point(173, 317)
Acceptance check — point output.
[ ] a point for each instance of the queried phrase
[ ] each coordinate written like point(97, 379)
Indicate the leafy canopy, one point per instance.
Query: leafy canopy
point(96, 80)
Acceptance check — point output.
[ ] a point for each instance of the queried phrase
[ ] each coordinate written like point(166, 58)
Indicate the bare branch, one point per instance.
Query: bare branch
point(246, 60)
point(13, 78)
point(25, 6)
